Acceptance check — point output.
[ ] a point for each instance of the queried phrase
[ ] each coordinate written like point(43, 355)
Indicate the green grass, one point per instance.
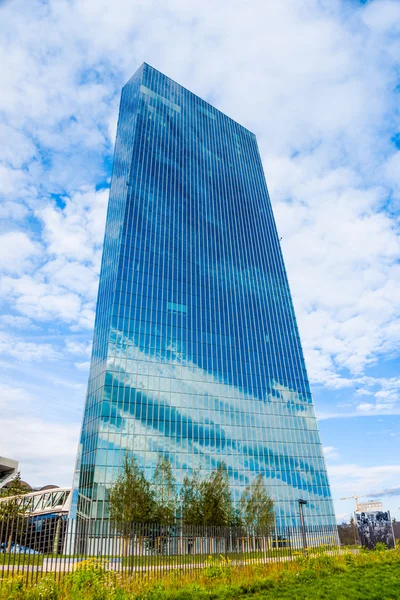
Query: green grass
point(366, 582)
point(364, 576)
point(194, 559)
point(141, 560)
point(20, 559)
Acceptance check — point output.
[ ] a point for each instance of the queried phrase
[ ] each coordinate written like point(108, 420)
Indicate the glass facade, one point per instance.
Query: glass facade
point(196, 351)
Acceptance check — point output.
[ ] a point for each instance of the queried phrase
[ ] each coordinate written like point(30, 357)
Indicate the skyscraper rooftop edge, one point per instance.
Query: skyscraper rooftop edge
point(146, 64)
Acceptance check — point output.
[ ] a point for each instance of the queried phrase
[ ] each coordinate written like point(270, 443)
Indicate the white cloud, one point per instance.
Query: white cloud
point(386, 392)
point(365, 480)
point(366, 410)
point(330, 452)
point(15, 147)
point(16, 250)
point(64, 286)
point(366, 407)
point(72, 275)
point(83, 366)
point(22, 350)
point(379, 408)
point(46, 450)
point(36, 298)
point(351, 316)
point(11, 180)
point(309, 97)
point(78, 348)
point(74, 231)
point(12, 211)
point(319, 92)
point(16, 322)
point(383, 16)
point(10, 396)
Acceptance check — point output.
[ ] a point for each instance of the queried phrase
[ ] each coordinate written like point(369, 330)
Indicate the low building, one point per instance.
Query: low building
point(370, 506)
point(49, 501)
point(45, 523)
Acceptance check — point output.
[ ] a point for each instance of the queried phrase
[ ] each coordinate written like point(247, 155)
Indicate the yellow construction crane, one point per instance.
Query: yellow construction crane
point(355, 497)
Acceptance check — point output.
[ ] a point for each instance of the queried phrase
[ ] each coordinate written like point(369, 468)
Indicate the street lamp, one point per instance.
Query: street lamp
point(303, 529)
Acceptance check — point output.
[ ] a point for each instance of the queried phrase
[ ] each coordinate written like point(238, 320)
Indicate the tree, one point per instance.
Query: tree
point(257, 507)
point(216, 498)
point(207, 501)
point(164, 491)
point(347, 533)
point(354, 529)
point(12, 508)
point(130, 499)
point(191, 500)
point(236, 518)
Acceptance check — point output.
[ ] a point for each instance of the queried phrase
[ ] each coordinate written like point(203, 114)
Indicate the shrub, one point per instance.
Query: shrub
point(11, 587)
point(46, 589)
point(91, 578)
point(324, 563)
point(217, 567)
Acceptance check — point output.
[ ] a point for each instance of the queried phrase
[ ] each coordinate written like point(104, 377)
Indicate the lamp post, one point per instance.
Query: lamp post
point(303, 529)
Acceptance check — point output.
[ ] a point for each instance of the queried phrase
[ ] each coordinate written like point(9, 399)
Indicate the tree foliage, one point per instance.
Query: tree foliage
point(191, 503)
point(216, 498)
point(257, 507)
point(203, 500)
point(207, 501)
point(164, 491)
point(13, 507)
point(131, 499)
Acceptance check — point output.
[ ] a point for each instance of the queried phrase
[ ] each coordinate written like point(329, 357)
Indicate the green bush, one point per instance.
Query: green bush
point(380, 547)
point(92, 579)
point(12, 588)
point(217, 568)
point(46, 589)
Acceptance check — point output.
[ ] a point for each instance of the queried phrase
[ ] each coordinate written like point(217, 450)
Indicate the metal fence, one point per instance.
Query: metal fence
point(33, 546)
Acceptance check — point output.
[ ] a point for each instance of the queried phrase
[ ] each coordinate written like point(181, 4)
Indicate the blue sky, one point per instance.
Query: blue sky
point(318, 82)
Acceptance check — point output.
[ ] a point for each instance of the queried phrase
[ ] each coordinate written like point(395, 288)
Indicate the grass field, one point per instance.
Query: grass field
point(366, 576)
point(360, 578)
point(367, 582)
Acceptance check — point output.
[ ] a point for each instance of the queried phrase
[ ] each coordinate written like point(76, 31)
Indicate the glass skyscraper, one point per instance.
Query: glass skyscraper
point(196, 352)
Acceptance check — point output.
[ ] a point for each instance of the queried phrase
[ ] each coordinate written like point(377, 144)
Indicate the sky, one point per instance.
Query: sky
point(318, 81)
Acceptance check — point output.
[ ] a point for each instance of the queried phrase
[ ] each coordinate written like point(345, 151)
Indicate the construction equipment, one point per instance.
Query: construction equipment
point(355, 497)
